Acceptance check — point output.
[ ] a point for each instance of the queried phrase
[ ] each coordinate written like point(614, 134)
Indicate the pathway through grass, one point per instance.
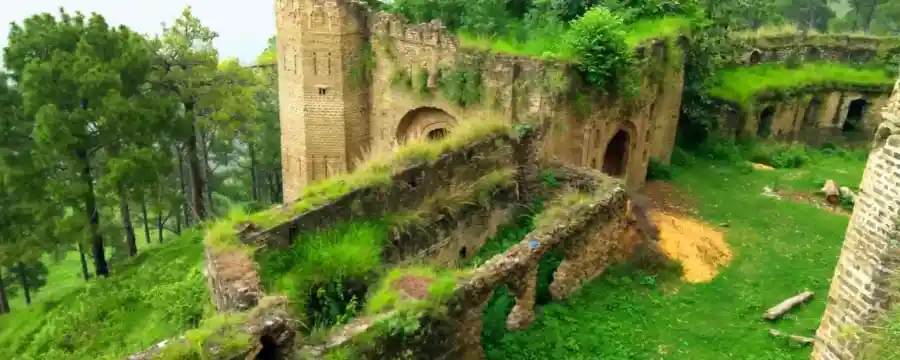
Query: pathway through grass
point(780, 248)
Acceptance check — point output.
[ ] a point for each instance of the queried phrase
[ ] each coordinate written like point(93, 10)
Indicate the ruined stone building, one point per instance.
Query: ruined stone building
point(860, 288)
point(353, 81)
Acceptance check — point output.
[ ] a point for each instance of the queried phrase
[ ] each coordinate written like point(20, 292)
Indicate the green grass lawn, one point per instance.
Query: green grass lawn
point(780, 248)
point(156, 295)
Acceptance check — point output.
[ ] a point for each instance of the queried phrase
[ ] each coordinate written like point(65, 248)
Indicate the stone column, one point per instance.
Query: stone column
point(859, 289)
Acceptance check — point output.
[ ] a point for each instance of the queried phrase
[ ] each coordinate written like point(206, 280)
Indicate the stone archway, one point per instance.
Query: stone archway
point(424, 123)
point(856, 110)
point(764, 127)
point(755, 57)
point(615, 158)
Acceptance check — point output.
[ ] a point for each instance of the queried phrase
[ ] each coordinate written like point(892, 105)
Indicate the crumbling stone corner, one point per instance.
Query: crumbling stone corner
point(232, 280)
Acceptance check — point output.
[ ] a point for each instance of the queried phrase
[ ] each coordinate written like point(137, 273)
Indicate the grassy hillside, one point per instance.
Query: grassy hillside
point(154, 296)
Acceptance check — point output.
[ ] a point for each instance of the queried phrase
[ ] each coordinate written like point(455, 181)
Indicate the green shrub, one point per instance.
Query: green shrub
point(720, 149)
point(597, 40)
point(681, 157)
point(780, 156)
point(657, 170)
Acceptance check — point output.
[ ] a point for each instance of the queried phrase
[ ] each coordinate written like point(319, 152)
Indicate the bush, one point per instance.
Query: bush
point(597, 40)
point(657, 170)
point(781, 156)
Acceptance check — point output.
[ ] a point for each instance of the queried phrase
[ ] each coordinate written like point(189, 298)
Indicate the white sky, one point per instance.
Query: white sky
point(243, 25)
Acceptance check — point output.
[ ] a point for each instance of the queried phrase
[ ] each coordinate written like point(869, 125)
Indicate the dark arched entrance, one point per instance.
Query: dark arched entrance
point(437, 134)
point(764, 129)
point(424, 122)
point(755, 57)
point(855, 112)
point(616, 156)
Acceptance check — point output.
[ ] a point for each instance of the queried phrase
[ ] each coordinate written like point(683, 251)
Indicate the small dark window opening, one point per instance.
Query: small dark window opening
point(323, 91)
point(269, 349)
point(855, 113)
point(463, 252)
point(437, 134)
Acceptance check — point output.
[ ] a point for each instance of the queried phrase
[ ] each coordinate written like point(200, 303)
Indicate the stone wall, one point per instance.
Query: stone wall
point(811, 47)
point(813, 115)
point(590, 233)
point(332, 116)
point(859, 288)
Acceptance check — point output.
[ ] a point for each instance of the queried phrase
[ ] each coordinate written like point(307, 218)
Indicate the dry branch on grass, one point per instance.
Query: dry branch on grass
point(782, 308)
point(803, 340)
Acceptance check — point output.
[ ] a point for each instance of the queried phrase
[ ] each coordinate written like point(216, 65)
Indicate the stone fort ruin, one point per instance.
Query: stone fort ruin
point(463, 141)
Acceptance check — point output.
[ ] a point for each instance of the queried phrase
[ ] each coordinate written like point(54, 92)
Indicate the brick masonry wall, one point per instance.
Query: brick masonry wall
point(328, 122)
point(858, 291)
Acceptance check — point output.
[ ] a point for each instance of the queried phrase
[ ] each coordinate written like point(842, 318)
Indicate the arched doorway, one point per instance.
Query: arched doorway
point(615, 158)
point(813, 54)
point(755, 57)
point(811, 116)
point(764, 129)
point(425, 122)
point(855, 112)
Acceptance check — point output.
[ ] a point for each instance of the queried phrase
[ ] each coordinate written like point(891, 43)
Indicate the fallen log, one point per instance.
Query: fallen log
point(832, 192)
point(782, 308)
point(803, 340)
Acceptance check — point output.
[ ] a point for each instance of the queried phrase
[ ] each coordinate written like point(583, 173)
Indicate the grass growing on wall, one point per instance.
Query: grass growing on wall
point(665, 28)
point(376, 171)
point(546, 43)
point(742, 84)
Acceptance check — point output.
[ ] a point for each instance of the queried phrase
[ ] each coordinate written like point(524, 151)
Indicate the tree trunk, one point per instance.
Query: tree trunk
point(23, 277)
point(125, 212)
point(84, 265)
point(182, 183)
point(146, 220)
point(160, 223)
point(207, 171)
point(4, 301)
point(92, 213)
point(254, 187)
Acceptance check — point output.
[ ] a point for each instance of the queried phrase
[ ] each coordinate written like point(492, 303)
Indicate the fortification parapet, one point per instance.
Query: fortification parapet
point(430, 34)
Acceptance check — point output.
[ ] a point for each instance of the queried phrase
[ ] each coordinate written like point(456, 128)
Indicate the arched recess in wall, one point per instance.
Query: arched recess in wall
point(812, 113)
point(615, 157)
point(856, 111)
point(812, 54)
point(764, 127)
point(755, 57)
point(424, 122)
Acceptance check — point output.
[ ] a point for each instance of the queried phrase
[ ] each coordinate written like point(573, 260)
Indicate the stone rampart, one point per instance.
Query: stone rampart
point(846, 48)
point(588, 224)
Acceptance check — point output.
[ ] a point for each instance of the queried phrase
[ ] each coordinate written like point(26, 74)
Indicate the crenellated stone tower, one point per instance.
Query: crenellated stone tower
point(860, 286)
point(323, 107)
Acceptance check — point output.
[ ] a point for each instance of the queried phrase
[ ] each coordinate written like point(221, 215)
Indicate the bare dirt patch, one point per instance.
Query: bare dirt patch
point(699, 248)
point(667, 198)
point(413, 286)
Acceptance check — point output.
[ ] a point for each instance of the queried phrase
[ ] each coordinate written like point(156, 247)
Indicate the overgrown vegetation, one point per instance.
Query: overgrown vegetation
point(375, 172)
point(391, 296)
point(741, 85)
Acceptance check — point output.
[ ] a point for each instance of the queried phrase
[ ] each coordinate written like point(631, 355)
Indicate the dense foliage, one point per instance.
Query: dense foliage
point(109, 137)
